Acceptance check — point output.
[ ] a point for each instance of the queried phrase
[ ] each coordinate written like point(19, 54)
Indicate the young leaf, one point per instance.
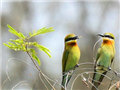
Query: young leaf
point(6, 45)
point(13, 31)
point(45, 30)
point(20, 41)
point(42, 48)
point(41, 31)
point(32, 51)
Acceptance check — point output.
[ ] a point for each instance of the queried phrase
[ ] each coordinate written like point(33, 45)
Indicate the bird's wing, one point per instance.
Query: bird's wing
point(64, 59)
point(113, 56)
point(98, 55)
point(112, 60)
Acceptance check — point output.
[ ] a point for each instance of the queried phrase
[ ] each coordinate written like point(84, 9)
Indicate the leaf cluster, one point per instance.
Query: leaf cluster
point(22, 43)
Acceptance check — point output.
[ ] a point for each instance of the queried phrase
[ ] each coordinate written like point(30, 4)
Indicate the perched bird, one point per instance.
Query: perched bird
point(70, 58)
point(104, 59)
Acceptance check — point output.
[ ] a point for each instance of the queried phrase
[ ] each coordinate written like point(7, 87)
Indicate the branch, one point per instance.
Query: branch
point(117, 84)
point(38, 68)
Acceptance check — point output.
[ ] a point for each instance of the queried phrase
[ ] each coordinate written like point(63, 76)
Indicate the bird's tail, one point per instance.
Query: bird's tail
point(97, 78)
point(65, 79)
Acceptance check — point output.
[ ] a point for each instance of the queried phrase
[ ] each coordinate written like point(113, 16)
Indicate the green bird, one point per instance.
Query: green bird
point(104, 59)
point(70, 58)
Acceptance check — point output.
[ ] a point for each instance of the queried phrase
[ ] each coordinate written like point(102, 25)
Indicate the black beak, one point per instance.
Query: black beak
point(100, 35)
point(77, 37)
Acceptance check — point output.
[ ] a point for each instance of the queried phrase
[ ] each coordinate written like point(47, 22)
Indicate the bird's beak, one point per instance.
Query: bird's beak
point(78, 37)
point(100, 35)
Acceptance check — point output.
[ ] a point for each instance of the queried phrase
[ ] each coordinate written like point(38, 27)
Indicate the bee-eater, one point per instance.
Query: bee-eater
point(70, 58)
point(104, 59)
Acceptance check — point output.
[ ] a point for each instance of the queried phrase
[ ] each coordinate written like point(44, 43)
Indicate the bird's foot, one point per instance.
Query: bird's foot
point(70, 71)
point(109, 68)
point(77, 65)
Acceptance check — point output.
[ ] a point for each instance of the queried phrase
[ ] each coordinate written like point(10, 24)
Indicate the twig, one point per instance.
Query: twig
point(114, 85)
point(84, 81)
point(4, 82)
point(92, 83)
point(8, 77)
point(85, 73)
point(118, 85)
point(38, 68)
point(43, 81)
point(18, 84)
point(53, 81)
point(66, 81)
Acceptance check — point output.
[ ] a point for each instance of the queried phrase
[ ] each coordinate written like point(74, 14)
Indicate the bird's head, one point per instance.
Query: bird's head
point(71, 39)
point(107, 37)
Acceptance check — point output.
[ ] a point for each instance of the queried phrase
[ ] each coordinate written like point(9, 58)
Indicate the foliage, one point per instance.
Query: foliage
point(22, 43)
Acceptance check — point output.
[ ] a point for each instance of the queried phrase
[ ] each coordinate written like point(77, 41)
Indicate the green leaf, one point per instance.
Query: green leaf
point(11, 44)
point(22, 35)
point(13, 31)
point(41, 31)
point(20, 41)
point(30, 33)
point(6, 45)
point(42, 48)
point(45, 30)
point(35, 56)
point(15, 46)
point(23, 44)
point(48, 53)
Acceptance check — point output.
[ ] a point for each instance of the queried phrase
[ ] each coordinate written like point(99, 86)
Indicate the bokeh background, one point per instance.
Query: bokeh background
point(84, 18)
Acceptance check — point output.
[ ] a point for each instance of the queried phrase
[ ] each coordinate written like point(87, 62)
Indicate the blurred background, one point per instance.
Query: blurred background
point(84, 18)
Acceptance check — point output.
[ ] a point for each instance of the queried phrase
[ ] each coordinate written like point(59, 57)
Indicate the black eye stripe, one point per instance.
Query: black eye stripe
point(109, 36)
point(72, 38)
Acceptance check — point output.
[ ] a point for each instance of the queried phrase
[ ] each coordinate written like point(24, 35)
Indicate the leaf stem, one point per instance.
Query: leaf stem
point(38, 68)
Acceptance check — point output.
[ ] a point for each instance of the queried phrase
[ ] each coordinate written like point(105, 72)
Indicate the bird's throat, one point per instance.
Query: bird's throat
point(108, 42)
point(72, 44)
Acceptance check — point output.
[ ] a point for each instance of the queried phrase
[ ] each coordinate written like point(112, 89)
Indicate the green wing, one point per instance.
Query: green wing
point(98, 54)
point(64, 59)
point(97, 57)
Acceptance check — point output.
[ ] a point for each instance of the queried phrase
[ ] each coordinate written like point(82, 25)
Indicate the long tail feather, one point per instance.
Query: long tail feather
point(65, 80)
point(97, 79)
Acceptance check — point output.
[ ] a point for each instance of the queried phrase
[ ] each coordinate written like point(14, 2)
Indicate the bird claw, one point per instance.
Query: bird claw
point(109, 68)
point(77, 65)
point(70, 71)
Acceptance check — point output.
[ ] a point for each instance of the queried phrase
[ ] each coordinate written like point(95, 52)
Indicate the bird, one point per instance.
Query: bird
point(70, 59)
point(104, 58)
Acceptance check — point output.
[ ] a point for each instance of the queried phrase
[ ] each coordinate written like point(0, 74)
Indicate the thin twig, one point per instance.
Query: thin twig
point(85, 73)
point(92, 83)
point(38, 68)
point(66, 81)
point(113, 85)
point(19, 84)
point(8, 76)
point(53, 81)
point(118, 85)
point(43, 81)
point(84, 81)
